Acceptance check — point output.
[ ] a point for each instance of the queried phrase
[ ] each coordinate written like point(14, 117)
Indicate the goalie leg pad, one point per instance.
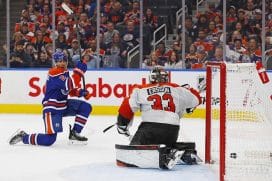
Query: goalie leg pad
point(147, 156)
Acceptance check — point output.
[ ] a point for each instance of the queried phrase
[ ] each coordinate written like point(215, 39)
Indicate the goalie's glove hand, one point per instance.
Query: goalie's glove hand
point(123, 125)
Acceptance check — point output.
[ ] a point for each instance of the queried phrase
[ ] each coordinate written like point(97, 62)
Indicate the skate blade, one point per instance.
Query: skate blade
point(16, 132)
point(75, 142)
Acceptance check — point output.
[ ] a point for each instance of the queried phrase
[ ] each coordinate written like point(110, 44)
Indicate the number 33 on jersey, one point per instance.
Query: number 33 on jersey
point(160, 102)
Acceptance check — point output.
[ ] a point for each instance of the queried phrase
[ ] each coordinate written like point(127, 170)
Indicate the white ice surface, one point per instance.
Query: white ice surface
point(95, 161)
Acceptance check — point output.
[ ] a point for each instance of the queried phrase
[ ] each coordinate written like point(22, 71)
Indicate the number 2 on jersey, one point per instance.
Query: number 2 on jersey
point(157, 102)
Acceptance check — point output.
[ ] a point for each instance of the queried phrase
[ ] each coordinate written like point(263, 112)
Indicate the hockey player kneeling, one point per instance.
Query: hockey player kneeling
point(162, 104)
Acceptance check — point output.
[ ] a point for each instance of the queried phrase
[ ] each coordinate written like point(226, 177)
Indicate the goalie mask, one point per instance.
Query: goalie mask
point(158, 75)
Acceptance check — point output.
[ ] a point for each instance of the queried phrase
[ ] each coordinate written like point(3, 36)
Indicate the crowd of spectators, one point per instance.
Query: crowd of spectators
point(76, 34)
point(204, 39)
point(31, 45)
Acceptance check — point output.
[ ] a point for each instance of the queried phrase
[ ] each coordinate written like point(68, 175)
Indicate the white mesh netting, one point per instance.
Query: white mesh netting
point(248, 124)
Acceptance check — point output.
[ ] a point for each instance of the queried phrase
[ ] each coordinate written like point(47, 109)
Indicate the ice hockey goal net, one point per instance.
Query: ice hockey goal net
point(239, 121)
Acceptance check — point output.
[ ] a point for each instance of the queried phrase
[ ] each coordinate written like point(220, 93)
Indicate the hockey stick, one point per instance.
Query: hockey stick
point(109, 127)
point(129, 136)
point(66, 8)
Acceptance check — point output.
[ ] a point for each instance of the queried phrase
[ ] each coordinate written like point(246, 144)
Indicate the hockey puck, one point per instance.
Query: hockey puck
point(233, 155)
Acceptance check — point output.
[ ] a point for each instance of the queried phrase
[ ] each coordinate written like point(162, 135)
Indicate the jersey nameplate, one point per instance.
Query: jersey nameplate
point(155, 90)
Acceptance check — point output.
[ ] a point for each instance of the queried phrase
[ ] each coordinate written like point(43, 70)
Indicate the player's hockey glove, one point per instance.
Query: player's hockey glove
point(122, 125)
point(80, 68)
point(82, 92)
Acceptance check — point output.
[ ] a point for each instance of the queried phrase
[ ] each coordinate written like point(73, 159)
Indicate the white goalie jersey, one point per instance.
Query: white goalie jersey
point(162, 102)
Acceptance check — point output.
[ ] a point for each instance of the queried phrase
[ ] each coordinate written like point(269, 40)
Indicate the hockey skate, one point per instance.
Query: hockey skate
point(17, 137)
point(76, 138)
point(172, 158)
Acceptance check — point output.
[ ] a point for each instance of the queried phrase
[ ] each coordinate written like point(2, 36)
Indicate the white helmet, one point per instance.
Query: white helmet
point(158, 75)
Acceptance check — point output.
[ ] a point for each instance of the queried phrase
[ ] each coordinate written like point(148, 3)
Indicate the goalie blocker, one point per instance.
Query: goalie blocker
point(156, 156)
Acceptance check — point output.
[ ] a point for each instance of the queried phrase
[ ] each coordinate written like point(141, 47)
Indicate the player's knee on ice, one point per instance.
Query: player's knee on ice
point(47, 140)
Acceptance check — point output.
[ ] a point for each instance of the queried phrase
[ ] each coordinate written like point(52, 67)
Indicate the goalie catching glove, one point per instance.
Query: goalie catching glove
point(123, 125)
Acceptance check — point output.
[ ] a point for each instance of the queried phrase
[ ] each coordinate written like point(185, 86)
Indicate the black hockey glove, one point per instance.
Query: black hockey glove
point(190, 110)
point(122, 125)
point(123, 130)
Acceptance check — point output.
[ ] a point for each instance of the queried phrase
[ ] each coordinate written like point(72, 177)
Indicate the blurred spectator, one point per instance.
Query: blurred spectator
point(28, 35)
point(150, 19)
point(238, 26)
point(116, 14)
point(43, 61)
point(84, 24)
point(242, 18)
point(62, 29)
point(92, 8)
point(38, 5)
point(202, 57)
point(61, 42)
point(98, 54)
point(151, 61)
point(249, 9)
point(108, 35)
point(191, 32)
point(235, 52)
point(114, 50)
point(46, 32)
point(17, 36)
point(39, 41)
point(91, 60)
point(103, 22)
point(17, 57)
point(75, 48)
point(32, 13)
point(231, 15)
point(3, 57)
point(218, 54)
point(212, 34)
point(253, 51)
point(203, 41)
point(202, 23)
point(24, 16)
point(172, 61)
point(162, 54)
point(255, 24)
point(49, 51)
point(192, 57)
point(133, 14)
point(45, 10)
point(29, 58)
point(130, 38)
point(46, 19)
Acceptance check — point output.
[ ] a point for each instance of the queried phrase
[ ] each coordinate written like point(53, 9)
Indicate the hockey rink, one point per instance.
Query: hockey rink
point(95, 161)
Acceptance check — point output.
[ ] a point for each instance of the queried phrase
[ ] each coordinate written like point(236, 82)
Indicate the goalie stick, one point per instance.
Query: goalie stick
point(67, 9)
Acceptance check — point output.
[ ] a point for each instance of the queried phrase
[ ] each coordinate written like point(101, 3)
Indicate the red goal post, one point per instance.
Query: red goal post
point(222, 143)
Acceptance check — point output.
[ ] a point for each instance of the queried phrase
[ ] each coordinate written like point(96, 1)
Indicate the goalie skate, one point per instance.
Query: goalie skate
point(76, 139)
point(17, 137)
point(190, 157)
point(172, 158)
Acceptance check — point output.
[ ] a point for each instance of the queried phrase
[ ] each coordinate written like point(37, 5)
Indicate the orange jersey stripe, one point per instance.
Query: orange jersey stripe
point(48, 122)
